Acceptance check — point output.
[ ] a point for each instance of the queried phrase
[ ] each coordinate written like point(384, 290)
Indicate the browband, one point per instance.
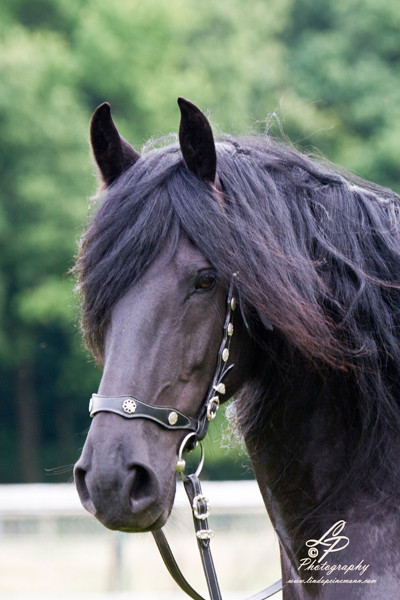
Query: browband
point(132, 408)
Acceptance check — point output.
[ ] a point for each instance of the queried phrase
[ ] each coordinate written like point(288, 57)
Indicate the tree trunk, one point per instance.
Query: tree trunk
point(28, 425)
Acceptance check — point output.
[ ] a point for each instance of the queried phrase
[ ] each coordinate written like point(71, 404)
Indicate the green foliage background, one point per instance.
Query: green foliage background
point(330, 70)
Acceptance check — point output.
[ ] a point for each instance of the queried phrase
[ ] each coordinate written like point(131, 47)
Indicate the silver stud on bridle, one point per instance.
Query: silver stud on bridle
point(173, 417)
point(129, 406)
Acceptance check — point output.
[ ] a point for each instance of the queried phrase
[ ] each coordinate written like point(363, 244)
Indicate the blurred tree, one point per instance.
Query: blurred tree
point(141, 57)
point(347, 54)
point(44, 182)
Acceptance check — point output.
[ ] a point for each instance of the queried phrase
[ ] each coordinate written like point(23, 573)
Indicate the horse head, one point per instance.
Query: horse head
point(160, 348)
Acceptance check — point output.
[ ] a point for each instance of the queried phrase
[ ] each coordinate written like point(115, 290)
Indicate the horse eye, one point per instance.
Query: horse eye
point(205, 282)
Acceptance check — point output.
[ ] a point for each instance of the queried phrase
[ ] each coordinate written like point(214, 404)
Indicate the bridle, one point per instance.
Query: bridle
point(171, 418)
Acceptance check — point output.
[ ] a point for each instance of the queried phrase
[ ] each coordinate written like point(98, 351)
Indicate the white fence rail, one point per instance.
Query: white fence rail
point(50, 547)
point(55, 499)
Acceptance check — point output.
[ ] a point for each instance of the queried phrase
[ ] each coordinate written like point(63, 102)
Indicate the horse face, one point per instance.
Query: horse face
point(161, 347)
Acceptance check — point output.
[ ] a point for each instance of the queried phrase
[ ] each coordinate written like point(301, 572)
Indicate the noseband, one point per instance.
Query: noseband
point(170, 418)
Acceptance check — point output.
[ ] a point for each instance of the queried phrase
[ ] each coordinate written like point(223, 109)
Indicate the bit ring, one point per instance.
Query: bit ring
point(181, 463)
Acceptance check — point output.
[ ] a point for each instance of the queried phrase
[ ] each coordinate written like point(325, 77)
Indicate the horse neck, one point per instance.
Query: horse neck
point(300, 461)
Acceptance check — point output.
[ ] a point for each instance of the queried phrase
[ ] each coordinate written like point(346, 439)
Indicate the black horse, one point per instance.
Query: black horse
point(315, 255)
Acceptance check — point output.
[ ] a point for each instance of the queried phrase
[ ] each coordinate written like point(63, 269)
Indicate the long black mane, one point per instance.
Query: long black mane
point(317, 251)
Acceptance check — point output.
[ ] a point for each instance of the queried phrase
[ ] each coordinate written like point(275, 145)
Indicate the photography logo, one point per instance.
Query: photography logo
point(331, 541)
point(322, 564)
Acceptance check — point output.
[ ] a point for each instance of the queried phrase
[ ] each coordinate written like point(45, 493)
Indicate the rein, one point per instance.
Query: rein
point(171, 418)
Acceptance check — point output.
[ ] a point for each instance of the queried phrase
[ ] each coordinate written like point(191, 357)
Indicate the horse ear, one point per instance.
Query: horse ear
point(197, 142)
point(113, 154)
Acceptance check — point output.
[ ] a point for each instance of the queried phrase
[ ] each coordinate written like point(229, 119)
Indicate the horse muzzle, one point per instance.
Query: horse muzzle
point(119, 486)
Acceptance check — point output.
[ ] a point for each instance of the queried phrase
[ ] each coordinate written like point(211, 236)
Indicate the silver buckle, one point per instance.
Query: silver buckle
point(195, 506)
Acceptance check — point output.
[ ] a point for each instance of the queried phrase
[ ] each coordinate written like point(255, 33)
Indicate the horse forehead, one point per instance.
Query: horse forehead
point(188, 256)
point(163, 277)
point(184, 261)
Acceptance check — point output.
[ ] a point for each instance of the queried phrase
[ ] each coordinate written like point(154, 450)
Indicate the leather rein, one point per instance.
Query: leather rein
point(171, 418)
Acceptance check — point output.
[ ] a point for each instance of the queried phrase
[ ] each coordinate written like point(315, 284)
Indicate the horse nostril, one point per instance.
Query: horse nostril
point(144, 488)
point(84, 495)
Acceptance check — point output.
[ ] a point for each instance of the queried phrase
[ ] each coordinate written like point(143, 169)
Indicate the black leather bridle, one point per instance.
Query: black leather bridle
point(171, 418)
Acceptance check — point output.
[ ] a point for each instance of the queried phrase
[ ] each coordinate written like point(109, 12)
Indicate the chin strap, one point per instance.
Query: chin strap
point(200, 512)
